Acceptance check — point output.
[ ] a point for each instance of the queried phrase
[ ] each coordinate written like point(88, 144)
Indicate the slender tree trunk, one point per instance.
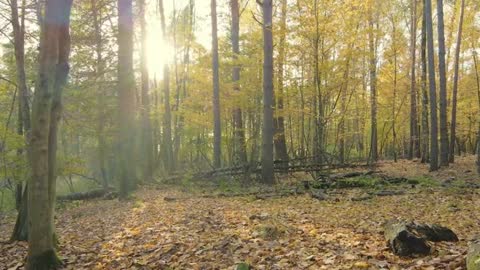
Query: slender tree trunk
point(217, 130)
point(147, 140)
point(424, 125)
point(414, 146)
point(126, 97)
point(167, 118)
point(99, 76)
point(477, 80)
point(239, 136)
point(279, 140)
point(373, 92)
point(394, 104)
point(432, 87)
point(455, 85)
point(267, 138)
point(52, 76)
point(444, 146)
point(20, 232)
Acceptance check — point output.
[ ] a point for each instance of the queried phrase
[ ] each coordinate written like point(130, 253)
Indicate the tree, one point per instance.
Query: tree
point(126, 98)
point(147, 140)
point(167, 117)
point(279, 121)
point(217, 130)
point(414, 146)
point(373, 90)
point(432, 88)
point(46, 112)
point(20, 231)
point(240, 147)
point(455, 85)
point(443, 86)
point(424, 123)
point(267, 136)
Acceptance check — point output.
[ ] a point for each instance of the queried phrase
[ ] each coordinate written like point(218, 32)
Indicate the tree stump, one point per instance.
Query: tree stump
point(473, 256)
point(410, 238)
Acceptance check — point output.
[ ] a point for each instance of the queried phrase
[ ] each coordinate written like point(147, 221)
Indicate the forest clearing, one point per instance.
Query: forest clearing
point(239, 134)
point(164, 227)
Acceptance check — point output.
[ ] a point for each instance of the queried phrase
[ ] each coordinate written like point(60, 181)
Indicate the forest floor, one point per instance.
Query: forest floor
point(170, 228)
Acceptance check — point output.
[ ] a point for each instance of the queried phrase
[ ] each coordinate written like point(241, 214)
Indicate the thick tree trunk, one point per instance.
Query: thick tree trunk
point(52, 76)
point(240, 151)
point(432, 88)
point(473, 256)
point(444, 146)
point(414, 146)
point(267, 136)
point(453, 124)
point(217, 129)
point(147, 140)
point(126, 98)
point(279, 140)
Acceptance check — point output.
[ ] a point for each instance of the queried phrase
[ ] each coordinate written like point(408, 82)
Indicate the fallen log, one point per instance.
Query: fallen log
point(410, 238)
point(473, 256)
point(88, 195)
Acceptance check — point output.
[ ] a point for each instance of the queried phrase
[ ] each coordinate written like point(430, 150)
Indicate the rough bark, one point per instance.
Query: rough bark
point(52, 76)
point(444, 146)
point(267, 135)
point(217, 129)
point(239, 136)
point(424, 124)
point(453, 124)
point(473, 256)
point(126, 98)
point(373, 156)
point(432, 88)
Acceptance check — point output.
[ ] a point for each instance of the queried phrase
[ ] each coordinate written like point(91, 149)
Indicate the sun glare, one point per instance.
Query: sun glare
point(159, 52)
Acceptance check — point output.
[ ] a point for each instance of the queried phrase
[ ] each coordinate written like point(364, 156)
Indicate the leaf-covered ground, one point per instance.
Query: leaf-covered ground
point(294, 232)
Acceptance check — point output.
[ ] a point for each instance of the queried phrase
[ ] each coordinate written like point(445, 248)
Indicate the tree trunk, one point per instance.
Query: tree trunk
point(217, 129)
point(126, 98)
point(424, 126)
point(267, 136)
point(473, 256)
point(455, 85)
point(444, 146)
point(147, 140)
point(239, 136)
point(279, 140)
point(20, 232)
point(167, 118)
point(52, 77)
point(414, 146)
point(432, 89)
point(373, 92)
point(477, 80)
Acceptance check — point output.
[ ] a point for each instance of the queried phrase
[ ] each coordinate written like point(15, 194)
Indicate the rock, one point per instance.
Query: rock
point(473, 256)
point(319, 195)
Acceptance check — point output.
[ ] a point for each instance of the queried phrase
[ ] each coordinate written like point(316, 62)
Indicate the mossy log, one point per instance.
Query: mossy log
point(473, 256)
point(88, 195)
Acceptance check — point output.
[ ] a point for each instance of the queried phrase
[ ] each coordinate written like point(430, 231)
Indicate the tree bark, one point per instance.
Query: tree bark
point(267, 136)
point(424, 125)
point(455, 85)
point(126, 98)
point(52, 77)
point(432, 89)
point(373, 157)
point(217, 129)
point(444, 146)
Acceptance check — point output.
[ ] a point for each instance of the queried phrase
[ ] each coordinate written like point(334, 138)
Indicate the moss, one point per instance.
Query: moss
point(47, 260)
